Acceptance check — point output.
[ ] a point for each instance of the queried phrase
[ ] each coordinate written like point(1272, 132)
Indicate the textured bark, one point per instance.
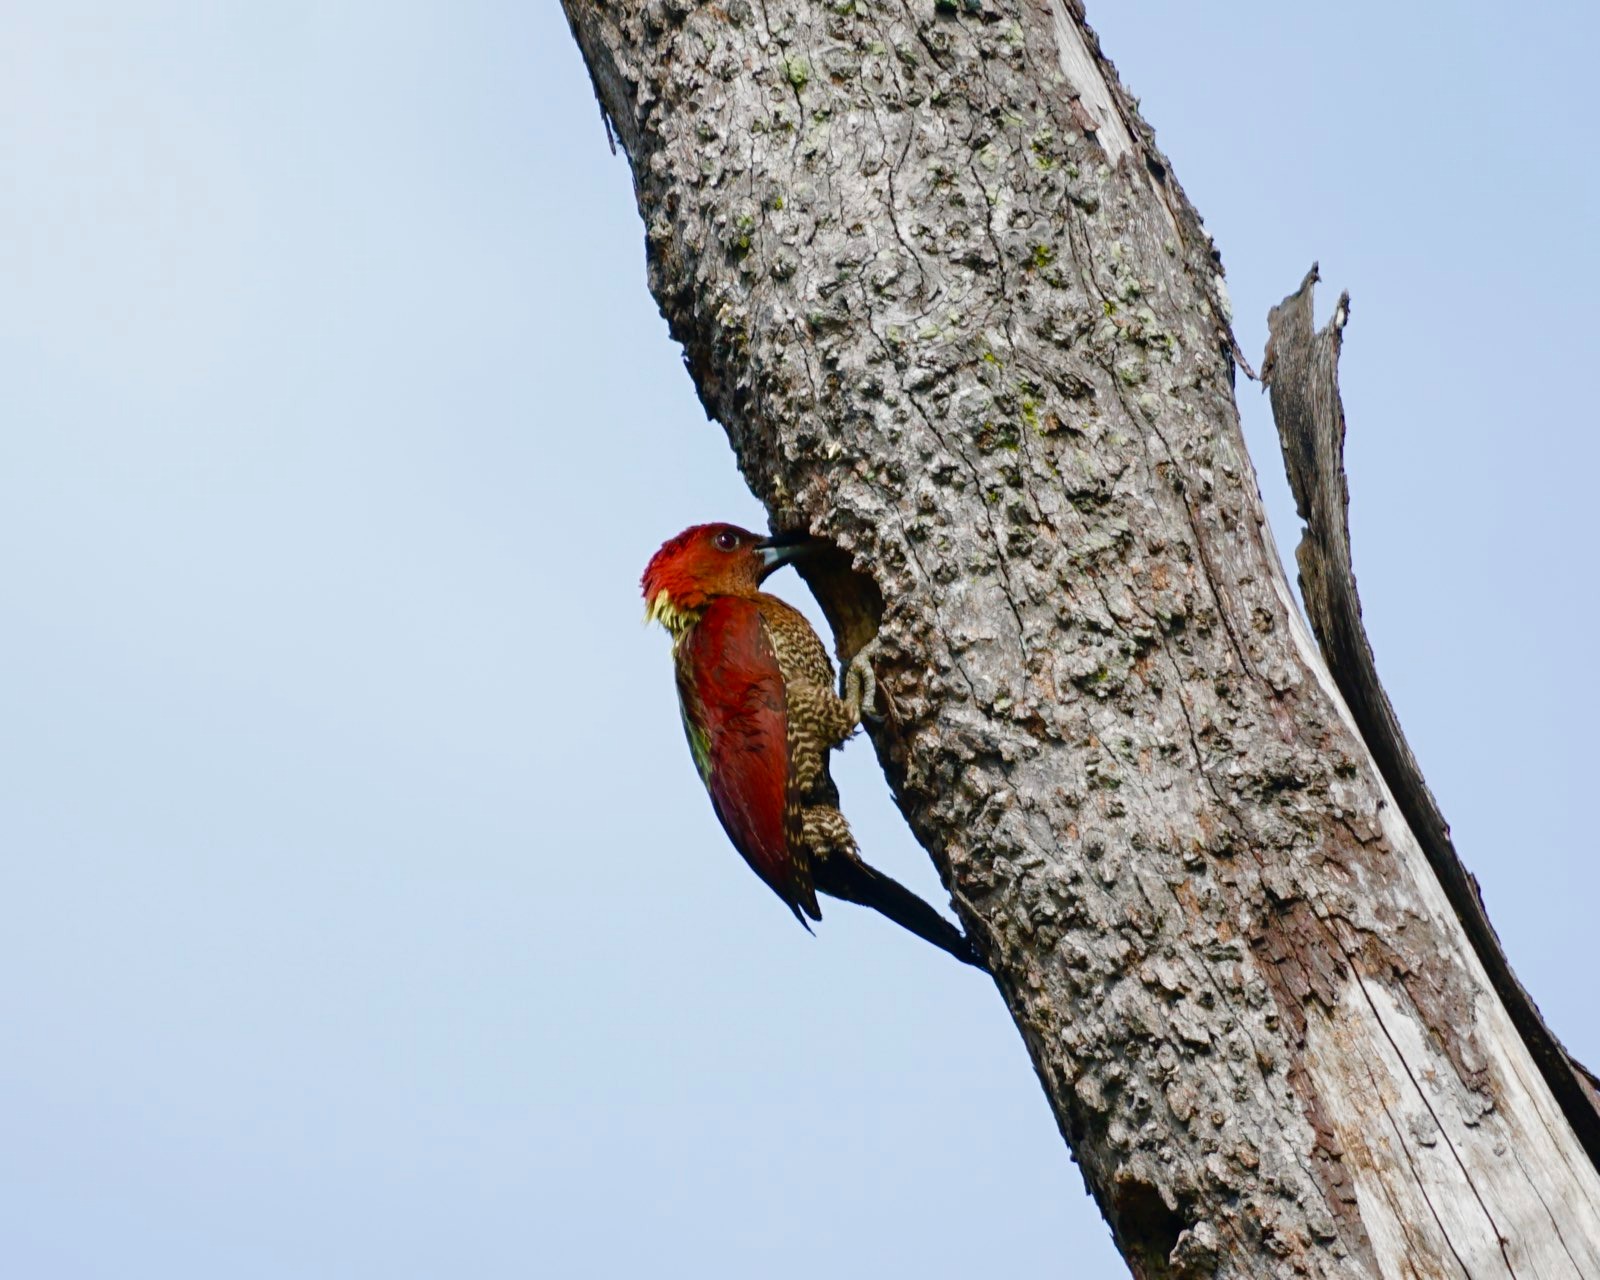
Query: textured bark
point(936, 281)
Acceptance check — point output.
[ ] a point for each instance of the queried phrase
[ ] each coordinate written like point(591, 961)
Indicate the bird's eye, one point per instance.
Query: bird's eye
point(727, 540)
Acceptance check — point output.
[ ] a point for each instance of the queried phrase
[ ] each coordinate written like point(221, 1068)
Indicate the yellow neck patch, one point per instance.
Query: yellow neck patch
point(677, 621)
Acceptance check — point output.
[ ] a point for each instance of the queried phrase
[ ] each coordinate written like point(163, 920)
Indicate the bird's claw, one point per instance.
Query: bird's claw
point(861, 684)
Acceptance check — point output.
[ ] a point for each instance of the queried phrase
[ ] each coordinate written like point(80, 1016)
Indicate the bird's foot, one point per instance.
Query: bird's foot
point(861, 684)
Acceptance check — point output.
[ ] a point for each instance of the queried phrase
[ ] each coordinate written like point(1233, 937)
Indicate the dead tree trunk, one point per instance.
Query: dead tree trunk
point(935, 279)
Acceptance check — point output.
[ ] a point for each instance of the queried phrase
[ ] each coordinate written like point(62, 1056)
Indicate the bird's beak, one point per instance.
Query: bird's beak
point(782, 548)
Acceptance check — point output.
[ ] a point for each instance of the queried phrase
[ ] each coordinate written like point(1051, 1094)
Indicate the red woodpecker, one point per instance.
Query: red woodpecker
point(755, 686)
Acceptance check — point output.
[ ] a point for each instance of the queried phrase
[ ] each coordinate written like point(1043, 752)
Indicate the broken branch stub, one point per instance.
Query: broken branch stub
point(1301, 371)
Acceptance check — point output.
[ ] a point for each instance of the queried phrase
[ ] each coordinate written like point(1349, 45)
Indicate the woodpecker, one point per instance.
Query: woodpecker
point(755, 686)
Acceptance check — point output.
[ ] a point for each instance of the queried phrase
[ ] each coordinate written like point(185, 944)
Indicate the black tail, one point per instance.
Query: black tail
point(849, 878)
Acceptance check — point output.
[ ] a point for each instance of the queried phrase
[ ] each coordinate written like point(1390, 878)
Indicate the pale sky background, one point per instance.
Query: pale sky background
point(360, 913)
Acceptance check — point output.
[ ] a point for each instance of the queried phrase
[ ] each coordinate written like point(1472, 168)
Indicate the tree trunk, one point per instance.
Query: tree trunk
point(935, 279)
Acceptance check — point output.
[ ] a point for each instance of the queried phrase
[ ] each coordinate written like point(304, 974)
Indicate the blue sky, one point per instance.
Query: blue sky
point(360, 913)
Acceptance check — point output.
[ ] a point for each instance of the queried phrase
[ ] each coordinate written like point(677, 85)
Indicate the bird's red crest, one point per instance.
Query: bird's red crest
point(702, 562)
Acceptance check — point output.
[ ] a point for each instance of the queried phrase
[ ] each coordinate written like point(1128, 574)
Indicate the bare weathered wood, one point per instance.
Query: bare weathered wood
point(1301, 370)
point(933, 276)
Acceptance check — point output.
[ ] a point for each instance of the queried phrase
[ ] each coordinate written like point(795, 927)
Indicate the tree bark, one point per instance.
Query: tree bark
point(945, 295)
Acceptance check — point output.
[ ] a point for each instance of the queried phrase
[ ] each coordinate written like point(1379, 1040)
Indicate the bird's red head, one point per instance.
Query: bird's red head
point(706, 561)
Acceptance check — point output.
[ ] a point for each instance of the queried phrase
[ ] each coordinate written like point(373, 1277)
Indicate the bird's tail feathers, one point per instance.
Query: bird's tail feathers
point(849, 878)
